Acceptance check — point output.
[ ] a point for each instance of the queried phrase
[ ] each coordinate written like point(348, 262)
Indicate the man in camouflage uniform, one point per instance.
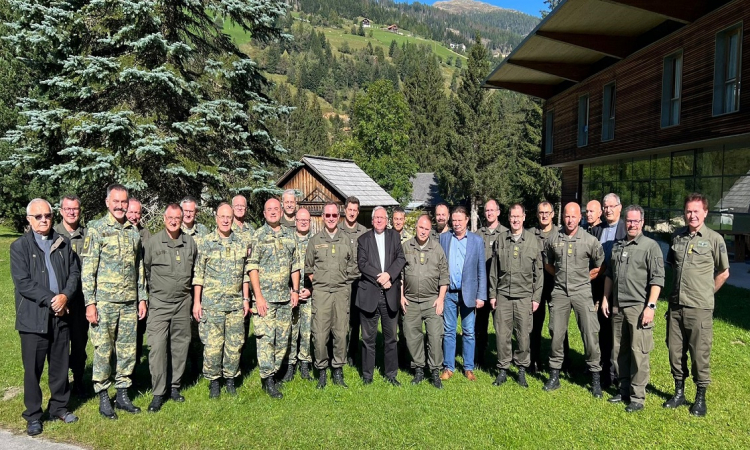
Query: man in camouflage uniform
point(189, 225)
point(71, 228)
point(289, 203)
point(272, 263)
point(299, 349)
point(113, 283)
point(353, 230)
point(240, 225)
point(134, 216)
point(220, 301)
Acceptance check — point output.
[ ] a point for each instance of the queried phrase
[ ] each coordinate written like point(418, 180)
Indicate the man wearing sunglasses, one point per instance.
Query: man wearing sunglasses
point(45, 273)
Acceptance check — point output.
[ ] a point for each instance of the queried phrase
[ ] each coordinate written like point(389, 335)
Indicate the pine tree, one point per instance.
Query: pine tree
point(150, 94)
point(392, 48)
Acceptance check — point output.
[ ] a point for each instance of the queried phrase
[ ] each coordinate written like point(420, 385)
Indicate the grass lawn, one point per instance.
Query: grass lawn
point(462, 415)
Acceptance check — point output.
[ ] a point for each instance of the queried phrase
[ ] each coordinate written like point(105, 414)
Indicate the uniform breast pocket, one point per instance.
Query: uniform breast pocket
point(701, 255)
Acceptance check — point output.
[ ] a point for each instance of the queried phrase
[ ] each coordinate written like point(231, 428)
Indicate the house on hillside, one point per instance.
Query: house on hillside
point(320, 180)
point(424, 192)
point(366, 23)
point(393, 28)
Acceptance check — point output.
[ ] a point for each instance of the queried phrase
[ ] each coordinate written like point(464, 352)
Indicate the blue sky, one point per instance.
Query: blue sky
point(531, 7)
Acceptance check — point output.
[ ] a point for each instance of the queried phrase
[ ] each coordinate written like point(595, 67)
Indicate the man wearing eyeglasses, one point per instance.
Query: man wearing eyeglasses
point(115, 294)
point(45, 274)
point(634, 279)
point(330, 267)
point(71, 228)
point(189, 210)
point(240, 223)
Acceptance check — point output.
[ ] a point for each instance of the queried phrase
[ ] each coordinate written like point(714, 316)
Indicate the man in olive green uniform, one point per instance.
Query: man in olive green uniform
point(515, 289)
point(634, 279)
point(299, 349)
point(71, 228)
point(699, 258)
point(189, 210)
point(489, 233)
point(289, 203)
point(221, 301)
point(113, 287)
point(168, 263)
point(331, 266)
point(353, 230)
point(274, 265)
point(134, 216)
point(398, 220)
point(567, 256)
point(426, 280)
point(240, 224)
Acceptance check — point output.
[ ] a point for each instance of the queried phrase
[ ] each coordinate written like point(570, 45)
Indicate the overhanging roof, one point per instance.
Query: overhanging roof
point(580, 38)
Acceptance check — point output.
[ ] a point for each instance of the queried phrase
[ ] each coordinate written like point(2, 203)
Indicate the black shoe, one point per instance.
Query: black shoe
point(322, 379)
point(289, 375)
point(634, 407)
point(678, 399)
point(553, 382)
point(619, 398)
point(34, 427)
point(270, 387)
point(68, 417)
point(156, 404)
point(418, 376)
point(366, 381)
point(122, 401)
point(435, 379)
point(393, 381)
point(214, 389)
point(176, 396)
point(502, 377)
point(338, 377)
point(699, 407)
point(304, 371)
point(105, 406)
point(229, 386)
point(522, 377)
point(596, 384)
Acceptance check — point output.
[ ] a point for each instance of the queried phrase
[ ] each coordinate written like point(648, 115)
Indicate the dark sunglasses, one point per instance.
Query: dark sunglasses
point(39, 217)
point(328, 216)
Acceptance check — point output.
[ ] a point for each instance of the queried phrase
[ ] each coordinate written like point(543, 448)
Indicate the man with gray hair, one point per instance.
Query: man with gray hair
point(189, 210)
point(289, 205)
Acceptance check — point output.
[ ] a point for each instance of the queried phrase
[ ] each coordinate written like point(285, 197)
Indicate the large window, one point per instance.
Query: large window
point(671, 93)
point(583, 120)
point(608, 113)
point(727, 70)
point(549, 131)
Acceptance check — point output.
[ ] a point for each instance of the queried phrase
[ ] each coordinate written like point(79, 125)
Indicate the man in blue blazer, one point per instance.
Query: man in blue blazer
point(466, 292)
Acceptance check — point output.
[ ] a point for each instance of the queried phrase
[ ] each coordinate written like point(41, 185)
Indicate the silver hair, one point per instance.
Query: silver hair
point(635, 208)
point(379, 208)
point(291, 192)
point(611, 195)
point(37, 200)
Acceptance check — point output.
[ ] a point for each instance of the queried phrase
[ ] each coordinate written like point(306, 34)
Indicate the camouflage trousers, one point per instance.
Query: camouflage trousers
point(116, 331)
point(272, 337)
point(222, 334)
point(300, 345)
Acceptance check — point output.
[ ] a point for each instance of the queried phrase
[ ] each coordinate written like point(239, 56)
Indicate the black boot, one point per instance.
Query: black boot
point(596, 384)
point(270, 387)
point(418, 376)
point(554, 380)
point(502, 377)
point(176, 396)
point(435, 378)
point(699, 407)
point(678, 399)
point(304, 371)
point(156, 403)
point(105, 406)
point(338, 377)
point(122, 401)
point(322, 379)
point(229, 386)
point(214, 389)
point(289, 375)
point(623, 396)
point(522, 377)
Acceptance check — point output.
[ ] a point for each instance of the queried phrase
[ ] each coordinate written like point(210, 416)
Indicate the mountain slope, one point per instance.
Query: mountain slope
point(465, 6)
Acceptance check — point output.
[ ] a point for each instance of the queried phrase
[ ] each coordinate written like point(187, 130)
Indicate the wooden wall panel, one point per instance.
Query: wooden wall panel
point(571, 184)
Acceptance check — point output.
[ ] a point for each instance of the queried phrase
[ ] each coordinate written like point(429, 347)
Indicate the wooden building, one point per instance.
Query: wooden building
point(319, 180)
point(643, 98)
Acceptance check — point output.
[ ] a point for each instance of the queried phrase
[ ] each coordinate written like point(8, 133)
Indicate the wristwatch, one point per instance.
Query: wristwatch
point(652, 306)
point(246, 299)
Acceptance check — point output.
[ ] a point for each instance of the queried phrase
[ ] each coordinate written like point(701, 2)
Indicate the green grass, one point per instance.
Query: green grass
point(463, 415)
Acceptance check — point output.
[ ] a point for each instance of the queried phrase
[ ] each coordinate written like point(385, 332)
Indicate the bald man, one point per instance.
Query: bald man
point(593, 214)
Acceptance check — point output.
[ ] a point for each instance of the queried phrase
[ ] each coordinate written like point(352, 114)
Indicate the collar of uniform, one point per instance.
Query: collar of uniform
point(343, 227)
point(572, 236)
point(302, 238)
point(427, 245)
point(636, 241)
point(490, 231)
point(179, 242)
point(216, 237)
point(685, 231)
point(60, 228)
point(268, 229)
point(508, 235)
point(111, 221)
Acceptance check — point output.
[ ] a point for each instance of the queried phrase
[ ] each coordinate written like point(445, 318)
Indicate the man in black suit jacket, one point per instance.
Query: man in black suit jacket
point(380, 258)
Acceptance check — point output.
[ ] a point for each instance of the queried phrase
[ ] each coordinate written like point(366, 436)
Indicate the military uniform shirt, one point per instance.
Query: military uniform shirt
point(288, 223)
point(489, 236)
point(516, 270)
point(571, 257)
point(198, 230)
point(331, 260)
point(112, 266)
point(634, 266)
point(695, 259)
point(405, 235)
point(352, 233)
point(274, 255)
point(77, 237)
point(169, 265)
point(220, 269)
point(302, 242)
point(425, 271)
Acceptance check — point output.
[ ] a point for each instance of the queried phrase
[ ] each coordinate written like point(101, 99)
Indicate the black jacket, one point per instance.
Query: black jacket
point(597, 284)
point(368, 291)
point(29, 272)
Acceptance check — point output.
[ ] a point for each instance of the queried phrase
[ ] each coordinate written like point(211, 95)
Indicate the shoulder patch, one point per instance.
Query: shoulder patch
point(86, 245)
point(722, 248)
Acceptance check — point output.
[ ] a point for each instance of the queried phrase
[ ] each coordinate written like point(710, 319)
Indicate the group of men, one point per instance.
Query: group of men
point(102, 281)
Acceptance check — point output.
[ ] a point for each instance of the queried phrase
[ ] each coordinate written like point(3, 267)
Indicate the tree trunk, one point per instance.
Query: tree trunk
point(474, 214)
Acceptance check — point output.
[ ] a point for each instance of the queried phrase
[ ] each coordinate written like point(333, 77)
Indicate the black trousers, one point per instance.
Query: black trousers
point(482, 321)
point(389, 323)
point(140, 331)
point(609, 375)
point(79, 337)
point(36, 348)
point(354, 324)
